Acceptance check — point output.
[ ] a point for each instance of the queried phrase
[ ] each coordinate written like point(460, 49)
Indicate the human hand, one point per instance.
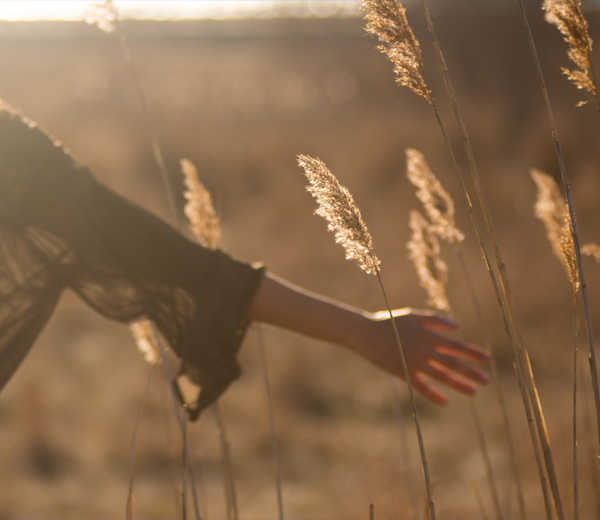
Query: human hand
point(429, 354)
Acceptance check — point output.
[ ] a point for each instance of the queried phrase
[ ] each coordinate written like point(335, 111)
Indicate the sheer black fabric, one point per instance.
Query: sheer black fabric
point(60, 228)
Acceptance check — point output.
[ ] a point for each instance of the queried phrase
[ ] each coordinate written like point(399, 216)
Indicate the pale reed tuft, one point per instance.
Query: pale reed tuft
point(387, 20)
point(103, 15)
point(551, 208)
point(336, 205)
point(144, 336)
point(567, 16)
point(438, 204)
point(592, 250)
point(199, 208)
point(424, 252)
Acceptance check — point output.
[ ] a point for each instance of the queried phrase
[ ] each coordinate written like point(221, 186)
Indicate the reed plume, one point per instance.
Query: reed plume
point(103, 15)
point(438, 204)
point(551, 208)
point(337, 207)
point(567, 16)
point(592, 250)
point(386, 19)
point(424, 252)
point(145, 340)
point(199, 208)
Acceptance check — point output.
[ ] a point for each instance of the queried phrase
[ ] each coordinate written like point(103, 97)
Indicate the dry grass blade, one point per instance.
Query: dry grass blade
point(592, 250)
point(199, 208)
point(337, 207)
point(567, 16)
point(438, 204)
point(424, 252)
point(551, 208)
point(387, 20)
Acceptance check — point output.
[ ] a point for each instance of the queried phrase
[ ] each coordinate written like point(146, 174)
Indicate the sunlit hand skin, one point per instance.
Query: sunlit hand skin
point(430, 353)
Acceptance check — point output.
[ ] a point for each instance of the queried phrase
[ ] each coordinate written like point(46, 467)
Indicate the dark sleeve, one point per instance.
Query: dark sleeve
point(122, 260)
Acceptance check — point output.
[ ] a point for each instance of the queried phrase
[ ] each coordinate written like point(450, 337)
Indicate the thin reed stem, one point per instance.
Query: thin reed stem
point(501, 285)
point(138, 419)
point(498, 388)
point(159, 159)
point(536, 444)
point(575, 466)
point(413, 404)
point(489, 469)
point(181, 420)
point(148, 126)
point(482, 511)
point(567, 188)
point(229, 480)
point(274, 445)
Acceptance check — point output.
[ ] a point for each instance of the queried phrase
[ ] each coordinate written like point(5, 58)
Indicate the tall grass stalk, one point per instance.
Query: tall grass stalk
point(274, 445)
point(425, 465)
point(489, 468)
point(138, 420)
point(482, 511)
point(500, 282)
point(387, 20)
point(206, 228)
point(565, 180)
point(181, 421)
point(336, 205)
point(536, 443)
point(432, 270)
point(108, 20)
point(575, 465)
point(512, 453)
point(229, 480)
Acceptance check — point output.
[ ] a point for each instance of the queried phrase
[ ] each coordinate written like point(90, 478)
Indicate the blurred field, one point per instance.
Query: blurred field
point(241, 99)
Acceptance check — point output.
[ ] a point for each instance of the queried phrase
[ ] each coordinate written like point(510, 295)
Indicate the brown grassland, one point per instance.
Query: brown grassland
point(241, 99)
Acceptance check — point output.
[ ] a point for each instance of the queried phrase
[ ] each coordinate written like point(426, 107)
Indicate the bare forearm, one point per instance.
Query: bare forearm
point(281, 303)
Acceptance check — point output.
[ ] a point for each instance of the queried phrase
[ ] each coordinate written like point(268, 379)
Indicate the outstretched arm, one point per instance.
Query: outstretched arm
point(429, 353)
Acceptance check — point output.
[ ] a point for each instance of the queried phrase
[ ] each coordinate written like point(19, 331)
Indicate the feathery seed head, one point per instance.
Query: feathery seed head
point(337, 207)
point(438, 204)
point(592, 250)
point(386, 19)
point(567, 16)
point(103, 15)
point(199, 208)
point(424, 252)
point(551, 208)
point(145, 340)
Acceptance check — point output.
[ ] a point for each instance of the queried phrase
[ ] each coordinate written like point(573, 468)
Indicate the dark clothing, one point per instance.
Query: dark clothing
point(60, 228)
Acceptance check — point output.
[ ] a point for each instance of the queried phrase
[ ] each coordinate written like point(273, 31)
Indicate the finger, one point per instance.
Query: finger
point(462, 368)
point(443, 375)
point(420, 384)
point(437, 322)
point(460, 349)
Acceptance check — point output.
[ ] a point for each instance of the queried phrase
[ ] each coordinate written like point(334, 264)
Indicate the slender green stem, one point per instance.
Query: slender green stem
point(413, 404)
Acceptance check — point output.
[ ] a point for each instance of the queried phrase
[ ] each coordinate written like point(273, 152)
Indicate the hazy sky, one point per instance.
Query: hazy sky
point(175, 9)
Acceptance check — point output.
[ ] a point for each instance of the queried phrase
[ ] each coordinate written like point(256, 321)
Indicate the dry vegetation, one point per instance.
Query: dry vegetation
point(241, 99)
